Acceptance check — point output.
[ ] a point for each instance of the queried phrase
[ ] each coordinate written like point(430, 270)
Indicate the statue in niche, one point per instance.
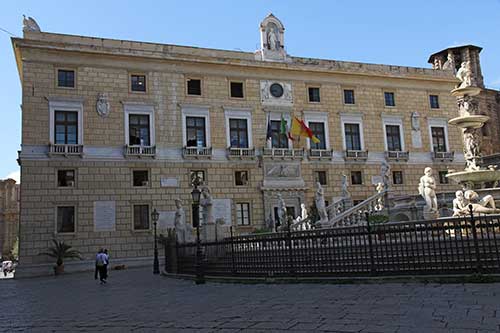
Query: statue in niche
point(464, 74)
point(207, 203)
point(471, 148)
point(415, 121)
point(272, 38)
point(270, 224)
point(183, 231)
point(320, 204)
point(450, 62)
point(427, 189)
point(103, 107)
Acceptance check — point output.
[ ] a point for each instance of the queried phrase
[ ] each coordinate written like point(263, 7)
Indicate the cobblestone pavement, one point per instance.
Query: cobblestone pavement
point(135, 300)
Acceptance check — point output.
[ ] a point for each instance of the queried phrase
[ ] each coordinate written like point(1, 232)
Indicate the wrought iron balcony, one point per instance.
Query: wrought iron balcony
point(140, 151)
point(197, 152)
point(65, 150)
point(356, 155)
point(289, 153)
point(320, 154)
point(443, 156)
point(395, 155)
point(240, 153)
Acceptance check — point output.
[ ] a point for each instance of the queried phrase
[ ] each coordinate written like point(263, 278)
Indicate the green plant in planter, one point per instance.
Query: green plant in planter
point(377, 220)
point(61, 251)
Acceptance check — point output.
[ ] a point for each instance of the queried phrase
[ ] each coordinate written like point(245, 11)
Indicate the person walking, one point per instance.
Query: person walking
point(100, 260)
point(105, 266)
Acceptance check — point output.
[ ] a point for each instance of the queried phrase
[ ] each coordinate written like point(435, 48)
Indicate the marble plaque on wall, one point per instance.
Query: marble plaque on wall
point(222, 209)
point(416, 139)
point(104, 216)
point(169, 182)
point(166, 220)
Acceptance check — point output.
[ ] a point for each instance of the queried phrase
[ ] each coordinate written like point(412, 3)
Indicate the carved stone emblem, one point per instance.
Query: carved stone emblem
point(103, 107)
point(282, 170)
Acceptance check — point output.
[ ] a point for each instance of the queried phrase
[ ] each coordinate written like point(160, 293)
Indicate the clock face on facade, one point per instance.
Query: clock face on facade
point(276, 90)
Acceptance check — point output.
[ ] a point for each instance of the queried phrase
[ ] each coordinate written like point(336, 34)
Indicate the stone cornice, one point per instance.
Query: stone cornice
point(165, 52)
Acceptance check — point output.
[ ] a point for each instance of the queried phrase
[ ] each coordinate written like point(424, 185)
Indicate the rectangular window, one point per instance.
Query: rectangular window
point(138, 83)
point(352, 137)
point(349, 96)
point(65, 78)
point(318, 130)
point(397, 177)
point(243, 213)
point(65, 219)
point(66, 178)
point(434, 101)
point(314, 94)
point(238, 133)
point(66, 127)
point(138, 129)
point(140, 177)
point(393, 137)
point(438, 139)
point(241, 178)
point(237, 89)
point(200, 174)
point(320, 177)
point(356, 178)
point(195, 132)
point(278, 140)
point(442, 177)
point(389, 99)
point(194, 87)
point(141, 217)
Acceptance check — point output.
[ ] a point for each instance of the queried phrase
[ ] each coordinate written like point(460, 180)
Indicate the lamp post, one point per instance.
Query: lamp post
point(195, 194)
point(156, 265)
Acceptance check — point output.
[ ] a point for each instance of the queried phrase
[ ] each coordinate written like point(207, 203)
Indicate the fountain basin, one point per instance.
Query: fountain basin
point(471, 91)
point(474, 121)
point(476, 177)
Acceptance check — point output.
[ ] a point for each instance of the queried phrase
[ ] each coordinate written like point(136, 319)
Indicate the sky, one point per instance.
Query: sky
point(386, 32)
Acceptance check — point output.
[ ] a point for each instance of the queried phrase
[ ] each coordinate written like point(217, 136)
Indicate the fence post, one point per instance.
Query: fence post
point(290, 251)
point(370, 245)
point(233, 264)
point(476, 242)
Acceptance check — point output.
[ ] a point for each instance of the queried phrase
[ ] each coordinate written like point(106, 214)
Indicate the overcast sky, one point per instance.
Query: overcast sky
point(386, 32)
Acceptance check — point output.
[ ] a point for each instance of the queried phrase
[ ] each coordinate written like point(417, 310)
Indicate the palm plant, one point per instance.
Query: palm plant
point(60, 251)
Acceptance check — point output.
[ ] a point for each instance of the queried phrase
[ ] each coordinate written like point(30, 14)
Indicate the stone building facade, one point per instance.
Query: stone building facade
point(112, 129)
point(9, 216)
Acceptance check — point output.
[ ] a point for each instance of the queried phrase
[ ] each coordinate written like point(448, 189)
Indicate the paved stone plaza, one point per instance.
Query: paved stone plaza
point(135, 300)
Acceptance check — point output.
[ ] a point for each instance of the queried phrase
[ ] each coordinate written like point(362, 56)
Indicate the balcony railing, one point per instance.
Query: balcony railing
point(140, 151)
point(443, 155)
point(395, 155)
point(65, 150)
point(197, 152)
point(320, 154)
point(283, 153)
point(356, 155)
point(241, 153)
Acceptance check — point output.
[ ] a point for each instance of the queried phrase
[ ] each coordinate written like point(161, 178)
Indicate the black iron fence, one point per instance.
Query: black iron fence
point(444, 246)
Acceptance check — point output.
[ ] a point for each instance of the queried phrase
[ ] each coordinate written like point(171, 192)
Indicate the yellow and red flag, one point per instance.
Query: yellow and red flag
point(299, 128)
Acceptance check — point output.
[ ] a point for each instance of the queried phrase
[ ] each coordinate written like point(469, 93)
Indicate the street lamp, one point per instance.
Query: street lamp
point(156, 265)
point(195, 194)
